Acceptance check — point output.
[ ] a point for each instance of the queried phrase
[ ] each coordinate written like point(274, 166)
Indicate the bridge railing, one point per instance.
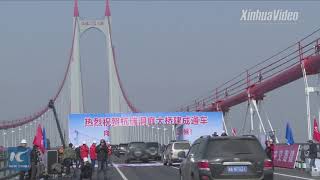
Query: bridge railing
point(264, 70)
point(5, 172)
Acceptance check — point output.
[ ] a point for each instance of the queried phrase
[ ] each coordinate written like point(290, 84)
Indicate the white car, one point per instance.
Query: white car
point(170, 155)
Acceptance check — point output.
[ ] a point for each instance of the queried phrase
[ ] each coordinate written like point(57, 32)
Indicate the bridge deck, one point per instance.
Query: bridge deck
point(156, 171)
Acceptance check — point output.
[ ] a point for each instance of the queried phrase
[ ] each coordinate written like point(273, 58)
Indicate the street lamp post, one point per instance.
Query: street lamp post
point(164, 135)
point(4, 138)
point(152, 135)
point(12, 142)
point(19, 133)
point(173, 132)
point(25, 132)
point(159, 135)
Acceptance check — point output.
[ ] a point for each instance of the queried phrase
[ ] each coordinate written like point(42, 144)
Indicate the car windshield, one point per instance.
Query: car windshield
point(181, 146)
point(229, 147)
point(149, 145)
point(137, 145)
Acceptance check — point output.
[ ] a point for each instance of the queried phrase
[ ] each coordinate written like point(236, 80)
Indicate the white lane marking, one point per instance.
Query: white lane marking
point(121, 174)
point(297, 177)
point(140, 165)
point(175, 167)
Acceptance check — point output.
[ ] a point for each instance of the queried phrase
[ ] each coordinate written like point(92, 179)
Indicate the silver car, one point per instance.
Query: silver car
point(170, 155)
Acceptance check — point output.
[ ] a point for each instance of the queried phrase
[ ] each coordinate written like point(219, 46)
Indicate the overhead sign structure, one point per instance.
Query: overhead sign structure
point(89, 127)
point(19, 158)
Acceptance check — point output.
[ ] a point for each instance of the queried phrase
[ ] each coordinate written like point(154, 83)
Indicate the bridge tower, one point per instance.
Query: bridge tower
point(118, 101)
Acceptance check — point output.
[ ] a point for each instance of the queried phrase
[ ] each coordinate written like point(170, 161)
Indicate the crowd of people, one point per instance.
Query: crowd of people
point(82, 156)
point(215, 134)
point(86, 157)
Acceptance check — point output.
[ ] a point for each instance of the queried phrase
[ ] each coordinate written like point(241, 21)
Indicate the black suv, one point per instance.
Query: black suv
point(226, 157)
point(153, 149)
point(137, 151)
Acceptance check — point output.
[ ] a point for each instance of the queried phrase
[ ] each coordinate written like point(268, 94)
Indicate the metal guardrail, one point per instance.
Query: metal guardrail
point(5, 172)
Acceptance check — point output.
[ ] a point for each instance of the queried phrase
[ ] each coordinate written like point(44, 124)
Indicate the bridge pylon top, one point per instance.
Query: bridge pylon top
point(76, 9)
point(107, 11)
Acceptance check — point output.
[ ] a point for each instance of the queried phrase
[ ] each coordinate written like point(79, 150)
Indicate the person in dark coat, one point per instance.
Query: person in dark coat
point(69, 156)
point(224, 133)
point(23, 144)
point(35, 160)
point(78, 157)
point(86, 169)
point(313, 150)
point(102, 154)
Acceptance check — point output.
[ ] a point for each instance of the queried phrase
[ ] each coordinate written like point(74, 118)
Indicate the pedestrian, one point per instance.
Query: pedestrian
point(102, 154)
point(35, 161)
point(69, 156)
point(215, 134)
point(109, 153)
point(269, 149)
point(84, 151)
point(93, 154)
point(224, 133)
point(60, 154)
point(313, 150)
point(78, 157)
point(23, 144)
point(86, 169)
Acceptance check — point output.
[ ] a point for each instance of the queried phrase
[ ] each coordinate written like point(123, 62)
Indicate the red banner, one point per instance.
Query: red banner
point(285, 155)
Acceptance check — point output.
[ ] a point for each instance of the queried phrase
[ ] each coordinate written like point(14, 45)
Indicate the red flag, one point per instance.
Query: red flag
point(316, 134)
point(38, 139)
point(234, 132)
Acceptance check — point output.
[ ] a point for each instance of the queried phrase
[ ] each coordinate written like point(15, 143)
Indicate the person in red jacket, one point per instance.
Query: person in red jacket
point(93, 154)
point(109, 153)
point(269, 149)
point(84, 151)
point(109, 149)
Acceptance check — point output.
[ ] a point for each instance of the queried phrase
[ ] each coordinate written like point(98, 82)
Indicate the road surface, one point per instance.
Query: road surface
point(156, 171)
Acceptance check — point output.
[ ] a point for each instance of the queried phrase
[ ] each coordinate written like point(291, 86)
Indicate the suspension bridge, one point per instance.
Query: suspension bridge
point(249, 88)
point(299, 60)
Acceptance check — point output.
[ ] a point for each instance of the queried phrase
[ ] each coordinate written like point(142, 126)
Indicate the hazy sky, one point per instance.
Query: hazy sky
point(168, 53)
